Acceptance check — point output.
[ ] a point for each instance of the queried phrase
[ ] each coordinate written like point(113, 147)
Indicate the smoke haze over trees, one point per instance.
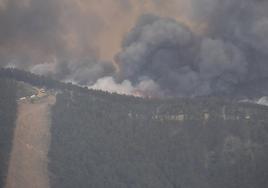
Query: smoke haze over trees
point(175, 48)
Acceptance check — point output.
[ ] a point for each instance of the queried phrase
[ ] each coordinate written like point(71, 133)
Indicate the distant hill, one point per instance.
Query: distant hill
point(109, 140)
point(43, 81)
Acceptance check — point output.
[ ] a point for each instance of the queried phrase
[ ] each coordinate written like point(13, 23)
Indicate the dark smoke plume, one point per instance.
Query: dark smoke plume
point(180, 62)
point(179, 48)
point(228, 55)
point(243, 22)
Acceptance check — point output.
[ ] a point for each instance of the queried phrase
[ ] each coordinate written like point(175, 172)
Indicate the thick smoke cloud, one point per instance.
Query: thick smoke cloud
point(27, 27)
point(178, 48)
point(160, 49)
point(227, 55)
point(180, 62)
point(67, 39)
point(51, 37)
point(242, 22)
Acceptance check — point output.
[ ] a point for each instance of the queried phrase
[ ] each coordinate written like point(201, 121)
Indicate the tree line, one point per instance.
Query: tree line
point(8, 112)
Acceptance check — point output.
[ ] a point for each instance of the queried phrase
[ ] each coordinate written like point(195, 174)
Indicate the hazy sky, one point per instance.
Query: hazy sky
point(76, 26)
point(177, 47)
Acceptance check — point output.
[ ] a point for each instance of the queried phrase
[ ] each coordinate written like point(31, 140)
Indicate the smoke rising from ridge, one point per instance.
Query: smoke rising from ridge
point(180, 62)
point(161, 48)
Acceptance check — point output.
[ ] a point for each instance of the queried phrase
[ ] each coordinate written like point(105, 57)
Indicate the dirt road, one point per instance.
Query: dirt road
point(28, 161)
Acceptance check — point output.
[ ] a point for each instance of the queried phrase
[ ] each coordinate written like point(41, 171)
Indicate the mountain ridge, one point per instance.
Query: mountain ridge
point(108, 140)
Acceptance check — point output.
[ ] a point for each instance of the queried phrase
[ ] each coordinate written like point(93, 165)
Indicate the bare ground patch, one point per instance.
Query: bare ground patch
point(28, 161)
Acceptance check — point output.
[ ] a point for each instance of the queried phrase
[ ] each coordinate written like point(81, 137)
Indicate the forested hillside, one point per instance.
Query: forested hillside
point(8, 111)
point(109, 140)
point(106, 141)
point(47, 82)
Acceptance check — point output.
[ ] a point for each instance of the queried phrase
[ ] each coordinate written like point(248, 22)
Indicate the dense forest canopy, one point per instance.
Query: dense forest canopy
point(8, 112)
point(103, 142)
point(109, 140)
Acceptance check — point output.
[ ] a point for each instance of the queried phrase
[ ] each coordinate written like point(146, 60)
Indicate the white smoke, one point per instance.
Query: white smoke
point(145, 88)
point(109, 84)
point(44, 69)
point(260, 101)
point(263, 101)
